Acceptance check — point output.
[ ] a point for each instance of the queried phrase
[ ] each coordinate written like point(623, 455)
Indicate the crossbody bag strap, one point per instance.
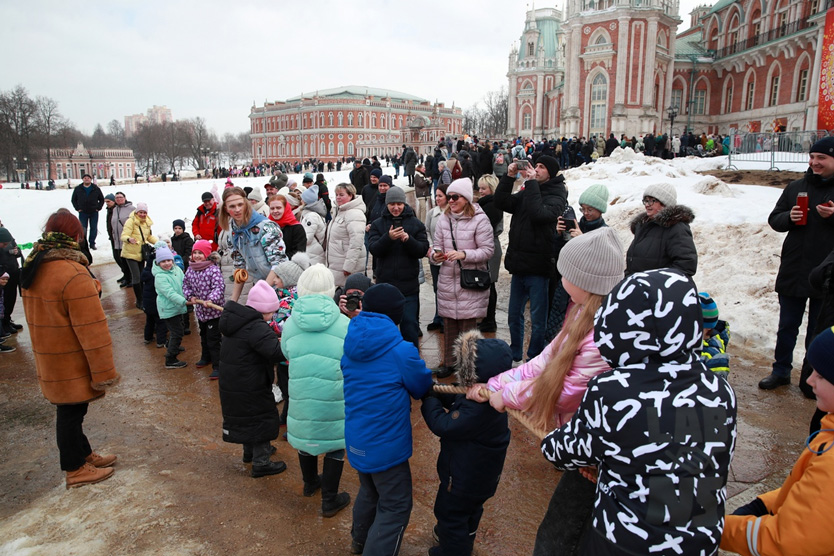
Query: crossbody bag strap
point(452, 233)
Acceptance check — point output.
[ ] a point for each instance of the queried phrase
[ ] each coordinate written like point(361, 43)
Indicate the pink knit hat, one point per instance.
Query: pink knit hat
point(461, 186)
point(203, 246)
point(263, 298)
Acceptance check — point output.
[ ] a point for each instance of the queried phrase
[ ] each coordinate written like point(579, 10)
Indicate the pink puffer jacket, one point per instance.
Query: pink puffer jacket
point(514, 383)
point(474, 237)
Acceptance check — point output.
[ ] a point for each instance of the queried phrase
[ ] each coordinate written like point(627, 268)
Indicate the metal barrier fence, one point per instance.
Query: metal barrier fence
point(781, 148)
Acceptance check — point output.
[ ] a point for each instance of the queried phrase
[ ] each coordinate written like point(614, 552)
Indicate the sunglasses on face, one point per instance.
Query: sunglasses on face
point(454, 197)
point(649, 201)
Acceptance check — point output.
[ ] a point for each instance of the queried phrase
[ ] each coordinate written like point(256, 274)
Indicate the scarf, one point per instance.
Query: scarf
point(198, 266)
point(287, 219)
point(247, 231)
point(48, 242)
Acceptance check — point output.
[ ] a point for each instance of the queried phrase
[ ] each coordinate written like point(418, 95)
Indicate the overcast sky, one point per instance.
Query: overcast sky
point(103, 60)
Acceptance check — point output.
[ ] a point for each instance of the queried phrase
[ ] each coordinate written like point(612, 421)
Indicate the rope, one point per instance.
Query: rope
point(208, 304)
point(519, 416)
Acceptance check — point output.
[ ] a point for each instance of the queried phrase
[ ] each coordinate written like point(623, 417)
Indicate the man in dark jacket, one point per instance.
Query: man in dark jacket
point(359, 176)
point(397, 240)
point(531, 252)
point(610, 144)
point(804, 248)
point(9, 253)
point(409, 162)
point(88, 200)
point(370, 191)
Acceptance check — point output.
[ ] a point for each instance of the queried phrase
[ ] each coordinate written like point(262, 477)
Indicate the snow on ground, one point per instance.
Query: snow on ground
point(738, 252)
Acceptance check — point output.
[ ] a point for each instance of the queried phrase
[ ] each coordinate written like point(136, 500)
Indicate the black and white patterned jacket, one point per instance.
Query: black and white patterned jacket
point(659, 426)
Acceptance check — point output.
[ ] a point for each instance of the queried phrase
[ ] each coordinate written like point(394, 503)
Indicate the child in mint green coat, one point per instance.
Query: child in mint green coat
point(170, 302)
point(313, 341)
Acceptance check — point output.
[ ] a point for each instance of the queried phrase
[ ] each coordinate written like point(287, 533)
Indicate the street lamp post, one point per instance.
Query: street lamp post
point(205, 152)
point(672, 112)
point(20, 169)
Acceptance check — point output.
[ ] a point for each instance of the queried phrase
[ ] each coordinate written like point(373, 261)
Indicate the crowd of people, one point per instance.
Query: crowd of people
point(316, 302)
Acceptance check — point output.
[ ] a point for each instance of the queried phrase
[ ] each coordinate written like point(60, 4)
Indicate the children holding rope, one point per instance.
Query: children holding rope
point(550, 386)
point(203, 284)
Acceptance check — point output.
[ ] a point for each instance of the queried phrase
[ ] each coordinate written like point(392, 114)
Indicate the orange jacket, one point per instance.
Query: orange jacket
point(801, 520)
point(70, 339)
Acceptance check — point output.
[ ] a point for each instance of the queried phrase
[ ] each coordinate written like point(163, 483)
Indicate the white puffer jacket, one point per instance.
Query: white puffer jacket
point(346, 240)
point(473, 236)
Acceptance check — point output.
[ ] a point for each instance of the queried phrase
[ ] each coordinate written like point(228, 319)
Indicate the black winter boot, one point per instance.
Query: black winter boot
point(331, 499)
point(310, 473)
point(137, 291)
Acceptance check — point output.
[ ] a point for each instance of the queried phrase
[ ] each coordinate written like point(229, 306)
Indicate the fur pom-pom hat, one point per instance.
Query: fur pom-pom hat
point(479, 359)
point(316, 280)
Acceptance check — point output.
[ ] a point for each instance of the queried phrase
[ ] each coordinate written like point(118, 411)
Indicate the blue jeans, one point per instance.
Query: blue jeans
point(382, 510)
point(791, 311)
point(92, 219)
point(410, 325)
point(523, 288)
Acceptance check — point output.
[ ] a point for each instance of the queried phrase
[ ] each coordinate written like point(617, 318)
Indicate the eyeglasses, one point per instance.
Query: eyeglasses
point(649, 201)
point(586, 210)
point(455, 197)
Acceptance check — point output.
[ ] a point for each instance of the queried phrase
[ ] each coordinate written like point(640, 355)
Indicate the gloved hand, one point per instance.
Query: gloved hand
point(756, 508)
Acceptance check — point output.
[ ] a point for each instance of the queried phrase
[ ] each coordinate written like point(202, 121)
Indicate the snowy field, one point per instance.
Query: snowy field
point(738, 252)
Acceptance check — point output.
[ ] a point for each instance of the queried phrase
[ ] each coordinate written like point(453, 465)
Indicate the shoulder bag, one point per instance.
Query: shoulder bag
point(470, 278)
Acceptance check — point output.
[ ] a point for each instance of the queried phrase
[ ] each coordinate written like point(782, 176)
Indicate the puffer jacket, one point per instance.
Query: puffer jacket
point(169, 298)
point(313, 340)
point(312, 220)
point(664, 241)
point(248, 354)
point(514, 384)
point(473, 436)
point(118, 218)
point(381, 371)
point(136, 228)
point(205, 224)
point(398, 262)
point(474, 237)
point(536, 209)
point(70, 338)
point(799, 519)
point(659, 427)
point(206, 285)
point(346, 241)
point(806, 246)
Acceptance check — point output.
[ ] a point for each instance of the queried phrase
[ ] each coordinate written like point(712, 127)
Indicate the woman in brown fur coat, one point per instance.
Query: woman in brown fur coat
point(70, 341)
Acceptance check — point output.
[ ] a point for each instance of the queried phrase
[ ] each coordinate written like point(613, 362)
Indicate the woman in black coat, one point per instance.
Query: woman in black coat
point(662, 237)
point(248, 353)
point(486, 191)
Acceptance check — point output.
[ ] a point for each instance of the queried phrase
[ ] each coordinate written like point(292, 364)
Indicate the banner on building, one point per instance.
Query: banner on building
point(825, 118)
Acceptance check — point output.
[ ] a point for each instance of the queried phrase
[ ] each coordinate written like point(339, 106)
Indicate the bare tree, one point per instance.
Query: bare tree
point(18, 126)
point(51, 123)
point(198, 137)
point(497, 105)
point(236, 147)
point(99, 139)
point(116, 133)
point(148, 146)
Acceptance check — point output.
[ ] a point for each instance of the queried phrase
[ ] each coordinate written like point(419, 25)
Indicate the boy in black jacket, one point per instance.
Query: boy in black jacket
point(473, 444)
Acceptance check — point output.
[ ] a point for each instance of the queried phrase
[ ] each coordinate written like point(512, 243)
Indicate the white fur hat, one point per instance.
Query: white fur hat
point(316, 279)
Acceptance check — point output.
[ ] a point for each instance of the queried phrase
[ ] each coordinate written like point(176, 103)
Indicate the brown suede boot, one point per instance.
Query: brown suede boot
point(97, 460)
point(87, 475)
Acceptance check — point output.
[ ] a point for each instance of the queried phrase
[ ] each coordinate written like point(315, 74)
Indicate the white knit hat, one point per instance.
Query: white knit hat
point(461, 186)
point(316, 279)
point(663, 192)
point(593, 262)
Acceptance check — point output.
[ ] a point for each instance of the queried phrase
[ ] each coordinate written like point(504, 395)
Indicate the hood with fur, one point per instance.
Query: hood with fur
point(479, 359)
point(666, 218)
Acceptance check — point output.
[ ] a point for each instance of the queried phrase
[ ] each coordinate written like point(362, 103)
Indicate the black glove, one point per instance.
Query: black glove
point(756, 508)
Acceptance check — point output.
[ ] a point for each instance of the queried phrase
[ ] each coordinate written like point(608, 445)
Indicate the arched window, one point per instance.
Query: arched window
point(373, 119)
point(330, 119)
point(699, 99)
point(773, 89)
point(802, 74)
point(321, 147)
point(527, 121)
point(382, 121)
point(350, 119)
point(330, 147)
point(750, 90)
point(531, 48)
point(599, 105)
point(321, 120)
point(401, 120)
point(340, 148)
point(350, 148)
point(361, 119)
point(727, 101)
point(341, 119)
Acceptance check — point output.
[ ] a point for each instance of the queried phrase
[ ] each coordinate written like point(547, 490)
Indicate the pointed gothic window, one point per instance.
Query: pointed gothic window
point(599, 105)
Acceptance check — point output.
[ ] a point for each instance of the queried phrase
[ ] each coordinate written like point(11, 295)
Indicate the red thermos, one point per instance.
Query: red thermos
point(802, 202)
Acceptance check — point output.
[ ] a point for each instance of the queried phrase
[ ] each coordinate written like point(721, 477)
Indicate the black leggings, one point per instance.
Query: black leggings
point(73, 446)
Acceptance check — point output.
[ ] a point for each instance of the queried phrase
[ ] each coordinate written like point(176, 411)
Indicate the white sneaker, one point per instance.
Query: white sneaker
point(276, 392)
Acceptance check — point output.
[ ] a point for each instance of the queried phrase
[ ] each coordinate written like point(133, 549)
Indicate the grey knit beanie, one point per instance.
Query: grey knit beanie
point(395, 195)
point(595, 196)
point(290, 271)
point(593, 262)
point(663, 192)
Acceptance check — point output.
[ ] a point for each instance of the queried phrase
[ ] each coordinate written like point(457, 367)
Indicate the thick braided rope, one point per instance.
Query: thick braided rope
point(519, 416)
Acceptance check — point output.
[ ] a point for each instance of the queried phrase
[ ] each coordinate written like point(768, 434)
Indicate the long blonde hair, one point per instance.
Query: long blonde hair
point(548, 386)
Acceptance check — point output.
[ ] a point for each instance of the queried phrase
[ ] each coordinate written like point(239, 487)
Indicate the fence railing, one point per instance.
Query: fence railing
point(772, 35)
point(774, 149)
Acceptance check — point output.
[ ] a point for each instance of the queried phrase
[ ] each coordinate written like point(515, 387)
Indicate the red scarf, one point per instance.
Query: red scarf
point(287, 219)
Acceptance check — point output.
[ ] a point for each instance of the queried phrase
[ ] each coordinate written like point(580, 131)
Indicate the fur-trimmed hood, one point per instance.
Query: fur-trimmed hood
point(479, 359)
point(666, 218)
